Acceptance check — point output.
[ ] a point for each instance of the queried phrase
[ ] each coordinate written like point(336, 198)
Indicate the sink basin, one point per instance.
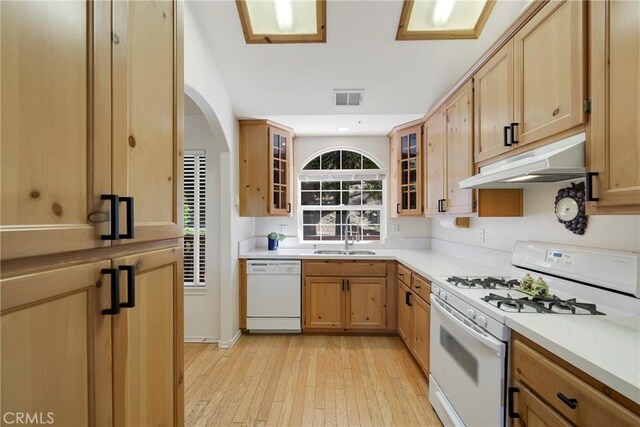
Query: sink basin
point(337, 252)
point(361, 253)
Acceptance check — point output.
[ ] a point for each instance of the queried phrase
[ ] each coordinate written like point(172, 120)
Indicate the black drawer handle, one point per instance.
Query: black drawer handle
point(589, 186)
point(511, 412)
point(417, 286)
point(505, 137)
point(288, 207)
point(131, 285)
point(114, 217)
point(514, 140)
point(115, 291)
point(128, 201)
point(442, 209)
point(571, 403)
point(398, 208)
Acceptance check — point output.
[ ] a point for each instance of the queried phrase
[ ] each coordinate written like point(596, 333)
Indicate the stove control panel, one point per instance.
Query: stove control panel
point(555, 257)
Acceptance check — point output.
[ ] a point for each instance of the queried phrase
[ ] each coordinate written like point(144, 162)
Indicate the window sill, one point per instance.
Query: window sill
point(195, 290)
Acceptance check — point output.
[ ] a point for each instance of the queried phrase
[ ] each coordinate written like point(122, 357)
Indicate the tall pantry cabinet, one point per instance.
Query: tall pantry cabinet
point(91, 251)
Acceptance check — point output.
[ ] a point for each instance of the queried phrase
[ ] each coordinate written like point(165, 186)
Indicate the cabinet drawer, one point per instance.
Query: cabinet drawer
point(404, 274)
point(558, 387)
point(346, 268)
point(421, 286)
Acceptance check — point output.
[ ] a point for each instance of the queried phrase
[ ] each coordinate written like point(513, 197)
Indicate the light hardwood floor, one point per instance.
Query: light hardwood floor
point(305, 380)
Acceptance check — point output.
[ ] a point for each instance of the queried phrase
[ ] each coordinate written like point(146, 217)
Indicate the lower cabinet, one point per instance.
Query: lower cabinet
point(534, 412)
point(414, 315)
point(345, 303)
point(77, 352)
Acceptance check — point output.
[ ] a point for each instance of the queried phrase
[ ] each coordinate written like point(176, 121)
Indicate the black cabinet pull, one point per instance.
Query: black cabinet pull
point(288, 207)
point(505, 136)
point(439, 205)
point(571, 403)
point(398, 208)
point(128, 201)
point(348, 285)
point(115, 291)
point(589, 187)
point(511, 412)
point(131, 285)
point(514, 140)
point(407, 298)
point(442, 209)
point(342, 285)
point(114, 217)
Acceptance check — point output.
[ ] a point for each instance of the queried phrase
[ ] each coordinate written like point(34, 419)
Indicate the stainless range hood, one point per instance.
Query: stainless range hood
point(560, 161)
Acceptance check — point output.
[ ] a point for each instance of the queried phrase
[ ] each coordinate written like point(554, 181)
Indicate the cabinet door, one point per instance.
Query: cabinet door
point(410, 172)
point(324, 302)
point(615, 90)
point(421, 328)
point(534, 412)
point(148, 342)
point(459, 154)
point(394, 175)
point(281, 158)
point(434, 162)
point(550, 71)
point(366, 303)
point(493, 104)
point(405, 321)
point(148, 115)
point(56, 345)
point(56, 106)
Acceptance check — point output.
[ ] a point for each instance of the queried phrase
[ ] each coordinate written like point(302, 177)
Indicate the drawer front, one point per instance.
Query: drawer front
point(421, 286)
point(404, 274)
point(346, 268)
point(576, 400)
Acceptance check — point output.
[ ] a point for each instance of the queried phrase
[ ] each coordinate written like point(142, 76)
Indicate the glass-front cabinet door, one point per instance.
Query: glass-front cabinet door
point(410, 171)
point(281, 158)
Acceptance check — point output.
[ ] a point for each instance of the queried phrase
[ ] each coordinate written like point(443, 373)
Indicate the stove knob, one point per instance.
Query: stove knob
point(482, 321)
point(471, 313)
point(443, 295)
point(436, 290)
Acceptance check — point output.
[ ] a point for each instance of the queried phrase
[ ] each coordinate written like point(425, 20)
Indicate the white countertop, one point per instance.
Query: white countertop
point(605, 347)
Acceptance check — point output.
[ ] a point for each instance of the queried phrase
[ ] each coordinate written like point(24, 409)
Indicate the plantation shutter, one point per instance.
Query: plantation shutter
point(194, 217)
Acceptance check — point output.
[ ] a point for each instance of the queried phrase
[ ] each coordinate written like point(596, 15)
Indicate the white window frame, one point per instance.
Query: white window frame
point(342, 175)
point(196, 220)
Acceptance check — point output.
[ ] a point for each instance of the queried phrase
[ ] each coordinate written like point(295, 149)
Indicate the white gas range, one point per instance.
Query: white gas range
point(469, 336)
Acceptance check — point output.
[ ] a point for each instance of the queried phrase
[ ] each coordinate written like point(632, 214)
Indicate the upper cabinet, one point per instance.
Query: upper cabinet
point(493, 105)
point(550, 72)
point(434, 141)
point(614, 149)
point(266, 169)
point(91, 129)
point(406, 173)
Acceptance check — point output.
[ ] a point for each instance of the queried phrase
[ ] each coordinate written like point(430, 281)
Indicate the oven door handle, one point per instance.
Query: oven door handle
point(495, 345)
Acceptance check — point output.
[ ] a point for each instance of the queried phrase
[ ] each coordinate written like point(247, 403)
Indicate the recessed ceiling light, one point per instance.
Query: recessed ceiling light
point(342, 129)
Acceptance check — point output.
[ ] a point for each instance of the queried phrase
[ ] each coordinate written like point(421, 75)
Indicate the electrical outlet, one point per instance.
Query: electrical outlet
point(481, 235)
point(396, 228)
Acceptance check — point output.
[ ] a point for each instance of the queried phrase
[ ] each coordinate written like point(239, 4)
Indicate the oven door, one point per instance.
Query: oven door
point(469, 366)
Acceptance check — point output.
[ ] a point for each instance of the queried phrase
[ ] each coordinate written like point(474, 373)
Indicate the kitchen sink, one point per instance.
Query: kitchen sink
point(337, 252)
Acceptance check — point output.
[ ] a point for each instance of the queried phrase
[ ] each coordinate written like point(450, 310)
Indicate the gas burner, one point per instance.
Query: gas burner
point(549, 304)
point(511, 304)
point(483, 282)
point(558, 305)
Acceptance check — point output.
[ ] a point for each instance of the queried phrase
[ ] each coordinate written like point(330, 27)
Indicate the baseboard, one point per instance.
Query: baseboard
point(203, 340)
point(231, 342)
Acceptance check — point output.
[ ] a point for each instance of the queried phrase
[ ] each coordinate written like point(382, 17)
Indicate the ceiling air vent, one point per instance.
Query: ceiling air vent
point(347, 97)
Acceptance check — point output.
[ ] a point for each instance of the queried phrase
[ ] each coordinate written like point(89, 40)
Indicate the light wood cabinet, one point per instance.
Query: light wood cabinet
point(435, 145)
point(324, 303)
point(366, 303)
point(420, 332)
point(56, 345)
point(148, 93)
point(550, 72)
point(614, 144)
point(148, 341)
point(549, 393)
point(404, 314)
point(493, 105)
point(266, 169)
point(406, 174)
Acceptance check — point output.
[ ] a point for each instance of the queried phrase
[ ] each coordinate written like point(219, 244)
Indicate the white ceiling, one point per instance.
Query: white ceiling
point(293, 83)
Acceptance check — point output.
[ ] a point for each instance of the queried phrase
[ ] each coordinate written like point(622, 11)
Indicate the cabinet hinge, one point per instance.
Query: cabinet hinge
point(586, 105)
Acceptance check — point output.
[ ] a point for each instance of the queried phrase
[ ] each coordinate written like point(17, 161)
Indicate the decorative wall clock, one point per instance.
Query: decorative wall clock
point(570, 208)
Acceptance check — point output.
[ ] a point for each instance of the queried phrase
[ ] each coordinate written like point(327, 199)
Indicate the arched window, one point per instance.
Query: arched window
point(341, 191)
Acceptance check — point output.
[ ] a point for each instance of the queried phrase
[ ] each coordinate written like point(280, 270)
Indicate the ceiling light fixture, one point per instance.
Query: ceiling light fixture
point(342, 129)
point(442, 11)
point(284, 14)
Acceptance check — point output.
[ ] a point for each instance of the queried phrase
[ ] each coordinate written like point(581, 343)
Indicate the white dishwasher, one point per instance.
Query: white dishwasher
point(273, 296)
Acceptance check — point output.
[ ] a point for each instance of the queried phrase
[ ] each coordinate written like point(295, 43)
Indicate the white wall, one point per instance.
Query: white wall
point(204, 85)
point(305, 148)
point(202, 307)
point(619, 232)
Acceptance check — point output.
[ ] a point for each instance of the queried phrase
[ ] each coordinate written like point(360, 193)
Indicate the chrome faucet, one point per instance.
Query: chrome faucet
point(346, 239)
point(349, 232)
